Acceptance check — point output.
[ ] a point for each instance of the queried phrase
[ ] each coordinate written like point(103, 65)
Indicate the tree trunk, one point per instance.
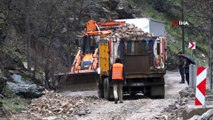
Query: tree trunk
point(52, 72)
point(46, 72)
point(35, 63)
point(2, 84)
point(28, 34)
point(67, 34)
point(2, 81)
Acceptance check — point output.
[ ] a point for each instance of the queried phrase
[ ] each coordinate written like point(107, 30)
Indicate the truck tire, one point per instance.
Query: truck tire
point(107, 89)
point(100, 87)
point(157, 91)
point(147, 92)
point(133, 93)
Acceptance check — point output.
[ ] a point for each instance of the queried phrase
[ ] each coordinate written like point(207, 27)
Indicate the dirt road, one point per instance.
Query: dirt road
point(138, 108)
point(85, 105)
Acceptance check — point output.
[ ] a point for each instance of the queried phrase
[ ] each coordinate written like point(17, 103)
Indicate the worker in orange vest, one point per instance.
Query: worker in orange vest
point(118, 78)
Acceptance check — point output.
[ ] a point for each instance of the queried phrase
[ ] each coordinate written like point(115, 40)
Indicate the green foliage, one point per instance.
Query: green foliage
point(14, 105)
point(168, 10)
point(7, 91)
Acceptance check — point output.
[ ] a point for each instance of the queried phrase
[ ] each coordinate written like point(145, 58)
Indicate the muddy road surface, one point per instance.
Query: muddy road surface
point(138, 108)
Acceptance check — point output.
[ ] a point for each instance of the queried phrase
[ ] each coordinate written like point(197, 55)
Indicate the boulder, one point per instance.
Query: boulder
point(26, 90)
point(207, 115)
point(195, 117)
point(188, 92)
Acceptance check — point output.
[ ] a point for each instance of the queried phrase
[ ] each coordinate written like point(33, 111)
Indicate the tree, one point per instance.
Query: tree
point(203, 12)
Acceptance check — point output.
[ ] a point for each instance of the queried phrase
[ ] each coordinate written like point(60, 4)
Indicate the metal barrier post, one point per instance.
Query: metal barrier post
point(192, 76)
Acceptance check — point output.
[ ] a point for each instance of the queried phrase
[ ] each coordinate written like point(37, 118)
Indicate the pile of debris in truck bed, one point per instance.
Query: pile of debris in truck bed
point(130, 31)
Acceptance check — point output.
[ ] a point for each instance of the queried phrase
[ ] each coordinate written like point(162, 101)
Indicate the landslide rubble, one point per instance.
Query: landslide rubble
point(54, 106)
point(184, 108)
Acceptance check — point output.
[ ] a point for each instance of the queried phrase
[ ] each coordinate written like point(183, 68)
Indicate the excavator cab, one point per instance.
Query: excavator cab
point(89, 52)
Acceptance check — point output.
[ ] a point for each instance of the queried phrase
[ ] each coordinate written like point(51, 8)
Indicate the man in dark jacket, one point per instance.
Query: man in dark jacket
point(186, 69)
point(181, 66)
point(118, 78)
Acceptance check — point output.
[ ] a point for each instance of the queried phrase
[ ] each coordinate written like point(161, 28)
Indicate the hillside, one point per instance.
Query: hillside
point(168, 11)
point(38, 38)
point(44, 34)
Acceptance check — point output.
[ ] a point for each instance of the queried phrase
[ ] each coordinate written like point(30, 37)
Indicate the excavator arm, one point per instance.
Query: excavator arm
point(76, 63)
point(101, 28)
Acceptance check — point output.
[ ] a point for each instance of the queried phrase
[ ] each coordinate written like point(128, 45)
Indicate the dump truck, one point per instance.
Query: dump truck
point(143, 58)
point(139, 42)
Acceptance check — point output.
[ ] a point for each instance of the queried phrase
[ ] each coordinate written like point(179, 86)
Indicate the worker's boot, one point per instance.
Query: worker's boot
point(116, 101)
point(181, 82)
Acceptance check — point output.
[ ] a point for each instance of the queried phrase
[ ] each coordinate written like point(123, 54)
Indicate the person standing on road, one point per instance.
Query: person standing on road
point(118, 78)
point(181, 67)
point(186, 69)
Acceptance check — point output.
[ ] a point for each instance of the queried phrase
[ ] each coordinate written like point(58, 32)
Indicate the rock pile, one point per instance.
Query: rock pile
point(130, 31)
point(175, 111)
point(183, 107)
point(188, 92)
point(53, 104)
point(26, 90)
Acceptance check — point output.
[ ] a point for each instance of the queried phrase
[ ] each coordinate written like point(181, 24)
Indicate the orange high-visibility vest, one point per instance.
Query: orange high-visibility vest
point(117, 71)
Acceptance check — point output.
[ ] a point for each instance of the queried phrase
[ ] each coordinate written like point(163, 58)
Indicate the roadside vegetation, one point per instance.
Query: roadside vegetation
point(11, 104)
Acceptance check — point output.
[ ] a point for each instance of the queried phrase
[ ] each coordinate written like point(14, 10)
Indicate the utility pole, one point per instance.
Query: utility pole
point(210, 53)
point(210, 63)
point(183, 46)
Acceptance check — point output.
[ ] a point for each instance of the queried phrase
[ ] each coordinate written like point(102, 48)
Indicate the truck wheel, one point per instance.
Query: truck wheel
point(147, 92)
point(100, 88)
point(157, 92)
point(133, 93)
point(107, 89)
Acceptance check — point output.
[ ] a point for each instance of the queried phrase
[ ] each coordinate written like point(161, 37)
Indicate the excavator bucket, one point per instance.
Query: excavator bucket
point(77, 81)
point(83, 73)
